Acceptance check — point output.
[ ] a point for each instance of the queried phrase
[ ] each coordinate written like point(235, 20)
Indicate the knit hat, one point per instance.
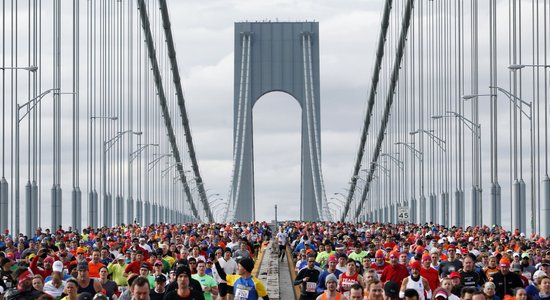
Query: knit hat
point(415, 265)
point(391, 289)
point(183, 270)
point(247, 264)
point(331, 277)
point(441, 294)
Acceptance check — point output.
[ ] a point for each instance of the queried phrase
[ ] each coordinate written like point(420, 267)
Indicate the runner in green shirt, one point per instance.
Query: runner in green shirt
point(208, 283)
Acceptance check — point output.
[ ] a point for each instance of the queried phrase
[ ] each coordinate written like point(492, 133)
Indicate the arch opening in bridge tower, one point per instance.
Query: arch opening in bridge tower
point(277, 146)
point(277, 56)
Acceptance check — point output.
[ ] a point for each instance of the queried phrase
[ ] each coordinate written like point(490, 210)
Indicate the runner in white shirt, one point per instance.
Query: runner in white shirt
point(416, 282)
point(282, 240)
point(144, 245)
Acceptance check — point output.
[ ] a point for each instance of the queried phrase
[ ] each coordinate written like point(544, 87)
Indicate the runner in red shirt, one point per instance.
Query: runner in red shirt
point(428, 272)
point(394, 271)
point(379, 263)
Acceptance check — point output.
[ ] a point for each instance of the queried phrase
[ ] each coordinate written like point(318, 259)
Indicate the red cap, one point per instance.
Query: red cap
point(504, 262)
point(415, 265)
point(451, 247)
point(27, 275)
point(454, 275)
point(419, 249)
point(379, 254)
point(426, 257)
point(394, 254)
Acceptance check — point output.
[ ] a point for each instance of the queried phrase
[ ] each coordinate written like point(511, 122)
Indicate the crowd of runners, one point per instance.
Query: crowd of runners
point(416, 262)
point(184, 261)
point(331, 260)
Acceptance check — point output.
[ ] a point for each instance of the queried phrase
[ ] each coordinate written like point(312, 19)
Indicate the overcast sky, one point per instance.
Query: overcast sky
point(203, 32)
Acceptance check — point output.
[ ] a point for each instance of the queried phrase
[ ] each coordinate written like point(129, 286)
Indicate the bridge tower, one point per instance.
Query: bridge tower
point(277, 56)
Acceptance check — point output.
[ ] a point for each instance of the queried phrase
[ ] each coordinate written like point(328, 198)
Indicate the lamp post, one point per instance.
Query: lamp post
point(151, 209)
point(29, 68)
point(476, 171)
point(519, 202)
point(107, 201)
point(340, 201)
point(544, 201)
point(93, 201)
point(388, 212)
point(397, 201)
point(219, 212)
point(4, 197)
point(516, 67)
point(215, 200)
point(31, 104)
point(339, 207)
point(495, 202)
point(139, 201)
point(413, 204)
point(342, 195)
point(432, 204)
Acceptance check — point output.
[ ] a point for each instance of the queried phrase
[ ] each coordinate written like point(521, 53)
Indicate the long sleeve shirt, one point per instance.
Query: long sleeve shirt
point(309, 286)
point(394, 273)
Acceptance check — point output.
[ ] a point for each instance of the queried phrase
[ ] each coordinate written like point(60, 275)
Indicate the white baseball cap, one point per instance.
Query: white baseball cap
point(57, 266)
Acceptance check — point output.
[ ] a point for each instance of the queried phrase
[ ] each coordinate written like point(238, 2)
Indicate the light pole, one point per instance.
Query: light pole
point(215, 200)
point(340, 201)
point(396, 202)
point(432, 204)
point(29, 201)
point(387, 209)
point(339, 207)
point(519, 67)
point(30, 68)
point(495, 202)
point(107, 201)
point(139, 201)
point(413, 204)
point(518, 206)
point(544, 201)
point(4, 187)
point(476, 172)
point(219, 212)
point(151, 209)
point(93, 199)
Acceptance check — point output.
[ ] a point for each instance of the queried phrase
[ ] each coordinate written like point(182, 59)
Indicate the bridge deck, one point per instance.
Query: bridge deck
point(275, 274)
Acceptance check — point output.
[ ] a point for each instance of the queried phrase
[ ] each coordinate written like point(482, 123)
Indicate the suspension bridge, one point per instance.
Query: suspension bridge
point(455, 127)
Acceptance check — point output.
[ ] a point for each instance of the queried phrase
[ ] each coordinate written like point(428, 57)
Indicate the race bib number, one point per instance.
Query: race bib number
point(311, 287)
point(241, 294)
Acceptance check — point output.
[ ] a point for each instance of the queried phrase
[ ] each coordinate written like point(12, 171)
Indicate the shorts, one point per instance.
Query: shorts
point(222, 289)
